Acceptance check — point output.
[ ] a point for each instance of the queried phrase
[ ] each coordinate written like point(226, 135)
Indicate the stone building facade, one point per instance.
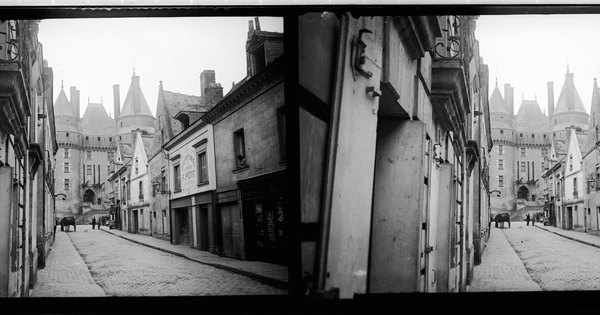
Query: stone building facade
point(27, 157)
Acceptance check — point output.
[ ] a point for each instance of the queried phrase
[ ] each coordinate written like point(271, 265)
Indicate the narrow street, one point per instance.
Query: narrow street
point(554, 262)
point(529, 258)
point(124, 268)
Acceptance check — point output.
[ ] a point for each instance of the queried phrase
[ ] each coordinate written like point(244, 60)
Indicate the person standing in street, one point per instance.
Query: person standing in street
point(533, 220)
point(527, 218)
point(94, 222)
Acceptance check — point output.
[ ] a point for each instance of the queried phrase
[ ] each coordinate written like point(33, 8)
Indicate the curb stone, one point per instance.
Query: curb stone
point(266, 280)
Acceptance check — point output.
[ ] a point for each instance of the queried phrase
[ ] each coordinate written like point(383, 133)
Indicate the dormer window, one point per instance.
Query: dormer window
point(258, 59)
point(184, 120)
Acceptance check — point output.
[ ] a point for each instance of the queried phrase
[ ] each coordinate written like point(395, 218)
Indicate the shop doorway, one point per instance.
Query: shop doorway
point(203, 227)
point(182, 226)
point(134, 221)
point(230, 229)
point(265, 230)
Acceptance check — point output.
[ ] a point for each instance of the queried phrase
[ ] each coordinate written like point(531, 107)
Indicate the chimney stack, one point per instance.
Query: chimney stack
point(509, 98)
point(550, 98)
point(211, 92)
point(74, 94)
point(257, 23)
point(116, 101)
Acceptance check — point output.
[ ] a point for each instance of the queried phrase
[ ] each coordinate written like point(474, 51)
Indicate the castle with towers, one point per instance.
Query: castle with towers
point(92, 146)
point(527, 145)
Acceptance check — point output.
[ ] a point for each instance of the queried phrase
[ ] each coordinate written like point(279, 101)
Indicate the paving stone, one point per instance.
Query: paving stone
point(124, 268)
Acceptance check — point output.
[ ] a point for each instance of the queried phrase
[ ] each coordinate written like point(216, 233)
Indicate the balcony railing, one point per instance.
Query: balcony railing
point(450, 45)
point(13, 47)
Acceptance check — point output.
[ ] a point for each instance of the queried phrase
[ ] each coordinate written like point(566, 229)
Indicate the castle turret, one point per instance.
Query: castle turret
point(569, 110)
point(135, 112)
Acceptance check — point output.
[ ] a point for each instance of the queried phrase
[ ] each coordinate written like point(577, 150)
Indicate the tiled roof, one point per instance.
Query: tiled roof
point(96, 121)
point(497, 104)
point(179, 102)
point(135, 102)
point(569, 99)
point(530, 117)
point(62, 106)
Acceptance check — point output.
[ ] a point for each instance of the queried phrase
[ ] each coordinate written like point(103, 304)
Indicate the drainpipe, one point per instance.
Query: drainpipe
point(323, 242)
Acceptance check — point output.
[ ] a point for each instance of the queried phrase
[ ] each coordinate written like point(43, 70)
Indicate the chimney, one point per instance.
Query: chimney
point(116, 101)
point(250, 28)
point(209, 90)
point(74, 94)
point(550, 98)
point(509, 98)
point(257, 23)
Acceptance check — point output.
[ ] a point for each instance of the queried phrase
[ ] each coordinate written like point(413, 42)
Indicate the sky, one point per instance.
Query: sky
point(527, 51)
point(95, 54)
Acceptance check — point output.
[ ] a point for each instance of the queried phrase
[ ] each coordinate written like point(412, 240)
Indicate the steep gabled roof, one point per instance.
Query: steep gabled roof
point(569, 99)
point(530, 117)
point(135, 102)
point(183, 101)
point(497, 104)
point(96, 121)
point(62, 106)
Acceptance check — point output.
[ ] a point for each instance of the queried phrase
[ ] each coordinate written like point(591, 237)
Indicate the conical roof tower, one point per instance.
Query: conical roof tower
point(135, 113)
point(569, 110)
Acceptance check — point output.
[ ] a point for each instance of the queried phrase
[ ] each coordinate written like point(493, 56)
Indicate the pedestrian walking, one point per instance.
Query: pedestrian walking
point(527, 218)
point(94, 223)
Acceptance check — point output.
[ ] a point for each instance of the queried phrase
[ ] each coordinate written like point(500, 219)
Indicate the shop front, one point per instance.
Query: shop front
point(192, 221)
point(263, 207)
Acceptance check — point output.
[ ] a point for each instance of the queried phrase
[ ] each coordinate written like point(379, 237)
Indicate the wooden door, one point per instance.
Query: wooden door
point(227, 229)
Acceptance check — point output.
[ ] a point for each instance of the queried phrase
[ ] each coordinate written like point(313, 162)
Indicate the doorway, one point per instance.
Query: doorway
point(230, 229)
point(182, 226)
point(203, 227)
point(134, 221)
point(523, 193)
point(89, 196)
point(569, 219)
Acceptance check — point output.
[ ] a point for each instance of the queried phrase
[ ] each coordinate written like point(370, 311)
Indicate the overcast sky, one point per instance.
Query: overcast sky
point(527, 51)
point(95, 54)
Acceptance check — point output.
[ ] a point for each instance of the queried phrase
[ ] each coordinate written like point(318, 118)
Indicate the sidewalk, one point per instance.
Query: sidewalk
point(272, 274)
point(501, 269)
point(65, 274)
point(581, 237)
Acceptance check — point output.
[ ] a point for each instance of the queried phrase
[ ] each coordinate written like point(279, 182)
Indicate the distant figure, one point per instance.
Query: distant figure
point(55, 224)
point(62, 227)
point(527, 219)
point(533, 220)
point(94, 222)
point(99, 223)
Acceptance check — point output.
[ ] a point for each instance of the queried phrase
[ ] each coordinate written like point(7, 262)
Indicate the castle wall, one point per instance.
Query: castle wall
point(563, 120)
point(127, 123)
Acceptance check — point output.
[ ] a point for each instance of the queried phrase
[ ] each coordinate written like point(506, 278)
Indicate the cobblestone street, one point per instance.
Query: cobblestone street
point(534, 258)
point(554, 262)
point(123, 268)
